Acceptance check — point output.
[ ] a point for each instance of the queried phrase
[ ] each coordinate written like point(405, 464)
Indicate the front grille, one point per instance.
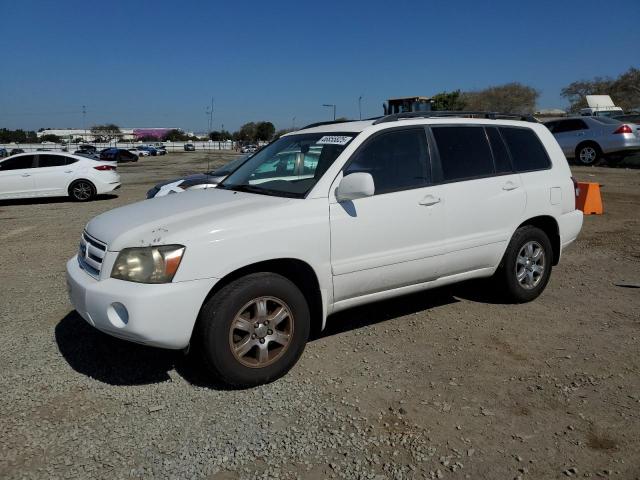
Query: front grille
point(91, 254)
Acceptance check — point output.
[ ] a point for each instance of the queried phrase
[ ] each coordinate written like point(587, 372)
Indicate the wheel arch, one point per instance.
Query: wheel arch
point(548, 225)
point(587, 142)
point(297, 271)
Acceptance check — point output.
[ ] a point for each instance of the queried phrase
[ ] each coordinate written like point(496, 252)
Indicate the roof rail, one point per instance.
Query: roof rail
point(394, 117)
point(330, 122)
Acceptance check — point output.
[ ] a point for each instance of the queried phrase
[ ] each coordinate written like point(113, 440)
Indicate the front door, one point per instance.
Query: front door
point(393, 238)
point(16, 177)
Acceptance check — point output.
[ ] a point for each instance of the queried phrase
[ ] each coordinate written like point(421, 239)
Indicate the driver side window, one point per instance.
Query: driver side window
point(397, 160)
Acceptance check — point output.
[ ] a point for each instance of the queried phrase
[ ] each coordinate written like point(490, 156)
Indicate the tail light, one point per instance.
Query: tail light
point(104, 167)
point(624, 129)
point(576, 189)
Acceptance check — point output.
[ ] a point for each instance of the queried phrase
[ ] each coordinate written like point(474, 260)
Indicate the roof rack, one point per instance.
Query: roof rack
point(394, 117)
point(331, 122)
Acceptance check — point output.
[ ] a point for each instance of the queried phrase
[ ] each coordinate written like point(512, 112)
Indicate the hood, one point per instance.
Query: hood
point(191, 180)
point(176, 218)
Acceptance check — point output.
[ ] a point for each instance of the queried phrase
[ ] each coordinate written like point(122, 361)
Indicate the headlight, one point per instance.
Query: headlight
point(148, 264)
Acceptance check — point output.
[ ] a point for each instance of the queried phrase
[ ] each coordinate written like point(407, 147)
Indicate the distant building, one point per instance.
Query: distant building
point(127, 134)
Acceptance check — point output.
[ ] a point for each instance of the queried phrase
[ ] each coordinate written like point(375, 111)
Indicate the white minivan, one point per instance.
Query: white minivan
point(380, 208)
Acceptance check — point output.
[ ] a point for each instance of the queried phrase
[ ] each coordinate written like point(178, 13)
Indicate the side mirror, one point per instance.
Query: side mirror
point(354, 186)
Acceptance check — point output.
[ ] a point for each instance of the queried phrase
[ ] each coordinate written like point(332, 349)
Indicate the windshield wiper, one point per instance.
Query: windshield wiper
point(259, 190)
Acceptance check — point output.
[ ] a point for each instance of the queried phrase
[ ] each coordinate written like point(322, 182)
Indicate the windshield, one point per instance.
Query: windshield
point(290, 166)
point(227, 168)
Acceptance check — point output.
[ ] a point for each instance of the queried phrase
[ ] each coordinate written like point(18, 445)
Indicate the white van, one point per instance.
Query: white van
point(379, 209)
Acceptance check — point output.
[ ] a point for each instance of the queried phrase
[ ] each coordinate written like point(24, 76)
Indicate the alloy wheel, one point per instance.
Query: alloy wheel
point(81, 191)
point(261, 332)
point(588, 155)
point(530, 265)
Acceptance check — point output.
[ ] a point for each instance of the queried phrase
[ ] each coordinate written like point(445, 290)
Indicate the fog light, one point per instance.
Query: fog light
point(118, 315)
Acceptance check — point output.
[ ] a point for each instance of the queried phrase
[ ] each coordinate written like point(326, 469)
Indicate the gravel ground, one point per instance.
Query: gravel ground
point(443, 384)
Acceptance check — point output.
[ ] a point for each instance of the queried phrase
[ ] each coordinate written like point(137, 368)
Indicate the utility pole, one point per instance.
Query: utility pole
point(84, 121)
point(331, 105)
point(360, 107)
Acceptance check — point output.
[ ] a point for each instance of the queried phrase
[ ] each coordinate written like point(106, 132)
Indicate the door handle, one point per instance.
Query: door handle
point(68, 171)
point(509, 186)
point(429, 200)
point(580, 134)
point(26, 174)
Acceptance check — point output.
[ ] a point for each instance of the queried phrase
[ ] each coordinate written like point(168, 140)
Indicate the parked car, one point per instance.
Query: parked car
point(249, 148)
point(152, 151)
point(197, 181)
point(56, 174)
point(3, 153)
point(189, 147)
point(119, 155)
point(589, 139)
point(15, 151)
point(86, 149)
point(162, 150)
point(384, 208)
point(140, 152)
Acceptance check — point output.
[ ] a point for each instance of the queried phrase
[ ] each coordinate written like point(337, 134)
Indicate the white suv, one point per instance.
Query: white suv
point(323, 219)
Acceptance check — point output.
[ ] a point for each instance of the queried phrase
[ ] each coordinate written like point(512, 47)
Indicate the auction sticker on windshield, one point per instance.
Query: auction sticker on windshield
point(334, 140)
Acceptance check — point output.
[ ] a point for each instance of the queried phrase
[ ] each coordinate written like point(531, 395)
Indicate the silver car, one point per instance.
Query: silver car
point(589, 139)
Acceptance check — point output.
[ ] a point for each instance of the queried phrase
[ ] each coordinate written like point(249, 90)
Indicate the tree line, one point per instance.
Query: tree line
point(511, 97)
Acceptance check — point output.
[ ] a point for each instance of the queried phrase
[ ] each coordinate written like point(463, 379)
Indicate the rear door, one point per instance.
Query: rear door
point(53, 174)
point(16, 177)
point(482, 195)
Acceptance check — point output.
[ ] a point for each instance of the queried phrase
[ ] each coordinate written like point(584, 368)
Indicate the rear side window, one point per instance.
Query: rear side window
point(397, 160)
point(500, 153)
point(570, 126)
point(17, 163)
point(52, 160)
point(527, 151)
point(464, 152)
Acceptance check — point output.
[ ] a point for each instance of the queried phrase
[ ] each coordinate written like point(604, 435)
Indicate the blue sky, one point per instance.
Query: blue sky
point(158, 63)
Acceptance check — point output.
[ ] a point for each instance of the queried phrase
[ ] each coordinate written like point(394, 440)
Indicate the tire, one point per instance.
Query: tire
point(82, 191)
point(231, 346)
point(588, 154)
point(524, 273)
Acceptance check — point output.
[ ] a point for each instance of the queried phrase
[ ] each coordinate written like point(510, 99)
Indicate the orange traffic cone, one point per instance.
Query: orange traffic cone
point(589, 199)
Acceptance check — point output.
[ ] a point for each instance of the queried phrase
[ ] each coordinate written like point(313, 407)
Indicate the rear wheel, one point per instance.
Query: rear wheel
point(526, 265)
point(253, 330)
point(588, 154)
point(82, 191)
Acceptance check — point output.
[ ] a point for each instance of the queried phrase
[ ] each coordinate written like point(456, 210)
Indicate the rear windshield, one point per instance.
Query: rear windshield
point(606, 120)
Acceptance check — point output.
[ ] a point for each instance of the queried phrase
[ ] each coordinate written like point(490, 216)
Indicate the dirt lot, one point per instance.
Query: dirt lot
point(444, 384)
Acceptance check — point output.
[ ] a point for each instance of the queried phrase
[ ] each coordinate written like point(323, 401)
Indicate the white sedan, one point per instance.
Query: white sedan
point(140, 152)
point(56, 174)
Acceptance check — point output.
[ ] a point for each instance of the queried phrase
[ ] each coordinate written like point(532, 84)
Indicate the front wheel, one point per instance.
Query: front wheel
point(526, 265)
point(253, 330)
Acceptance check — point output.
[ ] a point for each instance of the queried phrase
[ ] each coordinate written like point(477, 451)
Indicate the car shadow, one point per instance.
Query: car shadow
point(49, 200)
point(118, 362)
point(381, 311)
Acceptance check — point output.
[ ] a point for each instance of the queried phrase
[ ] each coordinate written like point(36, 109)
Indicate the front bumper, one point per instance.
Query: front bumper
point(161, 315)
